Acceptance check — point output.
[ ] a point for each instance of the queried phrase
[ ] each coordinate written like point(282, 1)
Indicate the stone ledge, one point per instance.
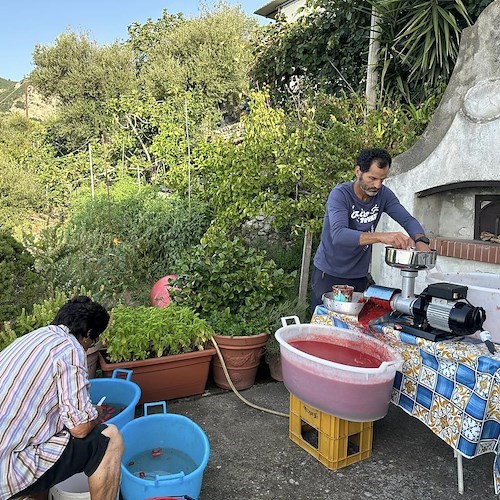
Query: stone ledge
point(478, 251)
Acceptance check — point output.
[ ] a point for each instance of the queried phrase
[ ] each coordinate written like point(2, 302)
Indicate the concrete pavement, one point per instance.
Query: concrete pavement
point(252, 456)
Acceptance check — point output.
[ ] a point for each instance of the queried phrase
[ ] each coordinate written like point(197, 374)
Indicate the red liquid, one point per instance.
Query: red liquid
point(356, 400)
point(373, 309)
point(354, 396)
point(336, 353)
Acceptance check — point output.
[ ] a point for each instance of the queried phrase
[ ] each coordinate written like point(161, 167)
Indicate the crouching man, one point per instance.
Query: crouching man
point(49, 428)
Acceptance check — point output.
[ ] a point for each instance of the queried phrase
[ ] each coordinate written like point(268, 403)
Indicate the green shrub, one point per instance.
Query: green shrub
point(120, 243)
point(20, 285)
point(236, 325)
point(42, 314)
point(224, 274)
point(273, 315)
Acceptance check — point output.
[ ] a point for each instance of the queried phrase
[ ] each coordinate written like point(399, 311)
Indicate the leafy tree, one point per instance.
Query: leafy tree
point(22, 195)
point(419, 44)
point(127, 237)
point(21, 186)
point(82, 76)
point(152, 135)
point(208, 56)
point(326, 50)
point(285, 164)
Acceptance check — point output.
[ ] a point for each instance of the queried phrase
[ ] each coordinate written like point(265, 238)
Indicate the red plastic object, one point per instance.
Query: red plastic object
point(160, 296)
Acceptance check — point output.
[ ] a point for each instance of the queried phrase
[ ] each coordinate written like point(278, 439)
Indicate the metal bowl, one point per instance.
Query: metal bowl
point(352, 308)
point(410, 259)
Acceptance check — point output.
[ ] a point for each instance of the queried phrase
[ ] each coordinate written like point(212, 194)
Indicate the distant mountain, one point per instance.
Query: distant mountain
point(5, 83)
point(13, 98)
point(10, 94)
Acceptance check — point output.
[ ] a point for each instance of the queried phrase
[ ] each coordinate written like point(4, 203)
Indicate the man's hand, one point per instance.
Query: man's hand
point(422, 247)
point(99, 411)
point(82, 430)
point(396, 240)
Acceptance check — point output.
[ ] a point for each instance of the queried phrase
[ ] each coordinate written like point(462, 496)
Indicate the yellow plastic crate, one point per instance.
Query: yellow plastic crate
point(333, 441)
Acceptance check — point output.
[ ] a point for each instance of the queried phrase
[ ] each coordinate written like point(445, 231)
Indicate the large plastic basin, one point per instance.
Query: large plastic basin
point(164, 430)
point(483, 291)
point(348, 392)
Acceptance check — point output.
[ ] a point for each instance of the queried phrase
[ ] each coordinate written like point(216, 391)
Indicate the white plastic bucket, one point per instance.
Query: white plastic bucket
point(74, 488)
point(483, 291)
point(349, 392)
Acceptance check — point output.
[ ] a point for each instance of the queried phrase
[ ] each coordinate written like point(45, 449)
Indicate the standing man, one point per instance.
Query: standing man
point(352, 213)
point(49, 429)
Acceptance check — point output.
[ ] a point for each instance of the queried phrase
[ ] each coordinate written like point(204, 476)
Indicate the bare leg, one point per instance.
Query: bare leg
point(105, 481)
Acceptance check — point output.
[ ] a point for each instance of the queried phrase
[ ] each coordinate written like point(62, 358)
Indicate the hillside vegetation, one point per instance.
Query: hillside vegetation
point(126, 179)
point(11, 94)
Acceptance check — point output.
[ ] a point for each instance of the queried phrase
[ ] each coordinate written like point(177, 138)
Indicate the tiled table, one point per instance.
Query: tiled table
point(453, 387)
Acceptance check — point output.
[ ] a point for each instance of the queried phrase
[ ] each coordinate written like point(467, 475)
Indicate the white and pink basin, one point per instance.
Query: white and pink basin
point(338, 371)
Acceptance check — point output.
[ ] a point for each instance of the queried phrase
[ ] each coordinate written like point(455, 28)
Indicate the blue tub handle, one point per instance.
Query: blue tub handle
point(157, 403)
point(168, 477)
point(128, 373)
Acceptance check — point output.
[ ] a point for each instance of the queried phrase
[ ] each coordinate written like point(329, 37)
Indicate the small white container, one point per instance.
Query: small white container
point(348, 392)
point(74, 488)
point(483, 291)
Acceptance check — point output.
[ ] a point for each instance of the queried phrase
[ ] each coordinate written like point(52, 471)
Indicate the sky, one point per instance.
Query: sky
point(26, 23)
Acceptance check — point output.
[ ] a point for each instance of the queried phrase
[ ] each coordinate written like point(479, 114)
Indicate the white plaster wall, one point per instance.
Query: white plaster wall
point(290, 10)
point(462, 143)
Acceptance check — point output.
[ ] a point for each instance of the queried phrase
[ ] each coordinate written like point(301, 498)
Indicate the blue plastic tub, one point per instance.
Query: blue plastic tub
point(163, 430)
point(119, 391)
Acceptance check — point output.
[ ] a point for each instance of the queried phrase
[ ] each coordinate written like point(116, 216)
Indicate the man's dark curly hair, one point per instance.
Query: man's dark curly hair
point(82, 315)
point(380, 156)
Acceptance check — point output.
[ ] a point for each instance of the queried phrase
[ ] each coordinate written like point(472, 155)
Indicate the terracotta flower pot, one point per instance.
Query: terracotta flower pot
point(92, 358)
point(241, 356)
point(168, 377)
point(274, 363)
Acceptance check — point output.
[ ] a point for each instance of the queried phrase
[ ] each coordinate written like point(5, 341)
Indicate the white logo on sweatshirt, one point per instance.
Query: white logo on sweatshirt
point(365, 216)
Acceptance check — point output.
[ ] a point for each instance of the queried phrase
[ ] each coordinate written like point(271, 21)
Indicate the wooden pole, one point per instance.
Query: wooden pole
point(188, 152)
point(91, 171)
point(306, 262)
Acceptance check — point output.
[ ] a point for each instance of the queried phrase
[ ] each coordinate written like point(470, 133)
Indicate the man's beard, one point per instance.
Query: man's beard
point(368, 191)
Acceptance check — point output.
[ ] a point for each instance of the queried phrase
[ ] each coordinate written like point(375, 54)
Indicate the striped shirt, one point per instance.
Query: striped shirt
point(44, 391)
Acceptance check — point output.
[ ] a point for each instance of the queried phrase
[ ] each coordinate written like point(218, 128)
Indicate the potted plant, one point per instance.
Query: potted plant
point(221, 273)
point(241, 342)
point(165, 348)
point(228, 282)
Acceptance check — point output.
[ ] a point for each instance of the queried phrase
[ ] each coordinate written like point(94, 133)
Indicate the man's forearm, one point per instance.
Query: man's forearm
point(370, 238)
point(395, 239)
point(82, 430)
